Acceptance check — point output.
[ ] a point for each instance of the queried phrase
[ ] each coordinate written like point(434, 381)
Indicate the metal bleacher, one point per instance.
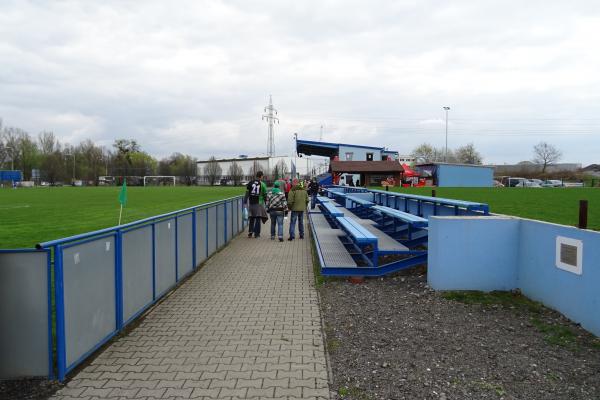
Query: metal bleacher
point(359, 232)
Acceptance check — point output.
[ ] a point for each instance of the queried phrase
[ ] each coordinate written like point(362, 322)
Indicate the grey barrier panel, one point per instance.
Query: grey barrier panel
point(24, 315)
point(220, 225)
point(164, 246)
point(230, 216)
point(240, 217)
point(89, 296)
point(137, 271)
point(212, 230)
point(236, 216)
point(200, 235)
point(185, 246)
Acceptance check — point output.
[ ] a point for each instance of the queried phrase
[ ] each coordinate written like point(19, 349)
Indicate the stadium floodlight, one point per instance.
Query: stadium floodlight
point(69, 155)
point(446, 153)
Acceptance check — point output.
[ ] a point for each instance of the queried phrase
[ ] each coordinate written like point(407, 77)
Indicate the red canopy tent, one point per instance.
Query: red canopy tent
point(409, 173)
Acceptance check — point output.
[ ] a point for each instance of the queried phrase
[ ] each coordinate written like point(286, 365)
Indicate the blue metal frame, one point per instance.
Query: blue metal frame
point(60, 313)
point(57, 247)
point(195, 264)
point(176, 249)
point(119, 279)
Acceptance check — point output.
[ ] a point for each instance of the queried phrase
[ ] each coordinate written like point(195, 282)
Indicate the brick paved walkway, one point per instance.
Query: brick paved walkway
point(247, 325)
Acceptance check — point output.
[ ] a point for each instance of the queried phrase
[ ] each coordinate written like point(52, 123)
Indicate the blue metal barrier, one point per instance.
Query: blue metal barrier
point(119, 261)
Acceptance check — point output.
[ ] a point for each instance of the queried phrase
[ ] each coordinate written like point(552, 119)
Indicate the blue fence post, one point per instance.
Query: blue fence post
point(60, 313)
point(50, 317)
point(194, 239)
point(206, 231)
point(176, 248)
point(119, 278)
point(153, 261)
point(225, 223)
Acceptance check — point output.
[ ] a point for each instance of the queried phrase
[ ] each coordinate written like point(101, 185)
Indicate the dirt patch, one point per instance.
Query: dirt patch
point(395, 338)
point(28, 389)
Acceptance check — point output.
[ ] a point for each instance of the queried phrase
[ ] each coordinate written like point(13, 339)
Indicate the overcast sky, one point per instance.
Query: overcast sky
point(194, 76)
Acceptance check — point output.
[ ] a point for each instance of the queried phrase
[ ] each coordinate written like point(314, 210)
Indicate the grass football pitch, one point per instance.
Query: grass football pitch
point(33, 215)
point(558, 205)
point(30, 216)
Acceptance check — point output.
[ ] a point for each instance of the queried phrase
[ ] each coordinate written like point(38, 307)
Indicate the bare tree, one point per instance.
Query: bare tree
point(545, 154)
point(427, 153)
point(256, 166)
point(212, 170)
point(282, 169)
point(236, 173)
point(468, 155)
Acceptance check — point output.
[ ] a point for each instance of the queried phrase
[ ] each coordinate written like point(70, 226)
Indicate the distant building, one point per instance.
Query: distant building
point(351, 163)
point(457, 175)
point(282, 165)
point(345, 151)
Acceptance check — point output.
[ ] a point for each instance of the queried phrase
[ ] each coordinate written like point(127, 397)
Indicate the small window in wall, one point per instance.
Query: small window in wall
point(349, 156)
point(369, 156)
point(569, 254)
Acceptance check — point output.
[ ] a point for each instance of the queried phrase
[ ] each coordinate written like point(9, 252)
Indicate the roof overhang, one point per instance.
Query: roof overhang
point(374, 167)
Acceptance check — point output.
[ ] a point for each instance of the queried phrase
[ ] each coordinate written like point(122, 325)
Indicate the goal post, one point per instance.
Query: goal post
point(158, 179)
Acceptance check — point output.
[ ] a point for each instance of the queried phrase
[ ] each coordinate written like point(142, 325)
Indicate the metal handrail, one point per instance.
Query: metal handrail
point(86, 235)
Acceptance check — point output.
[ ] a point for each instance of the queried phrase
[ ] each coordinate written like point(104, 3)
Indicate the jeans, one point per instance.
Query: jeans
point(313, 200)
point(277, 219)
point(254, 226)
point(300, 216)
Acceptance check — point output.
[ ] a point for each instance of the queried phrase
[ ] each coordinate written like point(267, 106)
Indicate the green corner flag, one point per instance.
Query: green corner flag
point(122, 198)
point(123, 194)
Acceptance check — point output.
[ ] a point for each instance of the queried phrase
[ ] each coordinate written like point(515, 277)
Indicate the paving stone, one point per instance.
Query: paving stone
point(246, 325)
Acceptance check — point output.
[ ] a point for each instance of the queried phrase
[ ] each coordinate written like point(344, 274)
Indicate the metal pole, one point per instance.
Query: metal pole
point(446, 152)
point(583, 214)
point(295, 151)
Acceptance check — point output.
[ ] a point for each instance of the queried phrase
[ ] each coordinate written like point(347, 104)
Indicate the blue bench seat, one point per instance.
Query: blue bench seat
point(330, 209)
point(359, 201)
point(358, 233)
point(411, 219)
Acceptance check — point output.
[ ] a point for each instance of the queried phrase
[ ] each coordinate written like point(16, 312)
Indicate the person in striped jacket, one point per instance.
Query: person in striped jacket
point(277, 208)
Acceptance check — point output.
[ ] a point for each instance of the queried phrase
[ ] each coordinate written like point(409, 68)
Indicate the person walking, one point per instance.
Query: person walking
point(297, 202)
point(276, 207)
point(256, 191)
point(287, 188)
point(313, 192)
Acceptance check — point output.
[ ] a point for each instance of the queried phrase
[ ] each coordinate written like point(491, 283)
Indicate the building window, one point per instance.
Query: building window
point(349, 156)
point(369, 156)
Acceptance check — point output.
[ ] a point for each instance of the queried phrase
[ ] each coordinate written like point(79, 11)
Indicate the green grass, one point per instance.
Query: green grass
point(505, 299)
point(35, 215)
point(558, 205)
point(556, 334)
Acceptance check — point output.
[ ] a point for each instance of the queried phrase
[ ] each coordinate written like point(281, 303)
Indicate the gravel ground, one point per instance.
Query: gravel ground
point(395, 338)
point(28, 389)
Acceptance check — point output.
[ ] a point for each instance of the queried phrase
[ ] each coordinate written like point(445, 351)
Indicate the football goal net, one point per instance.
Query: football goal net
point(159, 180)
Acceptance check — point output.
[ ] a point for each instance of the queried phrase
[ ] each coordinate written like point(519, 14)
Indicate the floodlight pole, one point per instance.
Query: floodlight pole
point(295, 151)
point(446, 152)
point(72, 154)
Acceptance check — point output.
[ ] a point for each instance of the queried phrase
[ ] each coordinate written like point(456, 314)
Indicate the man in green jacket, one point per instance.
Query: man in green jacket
point(297, 202)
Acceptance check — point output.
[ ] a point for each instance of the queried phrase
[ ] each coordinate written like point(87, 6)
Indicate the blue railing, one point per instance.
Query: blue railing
point(105, 279)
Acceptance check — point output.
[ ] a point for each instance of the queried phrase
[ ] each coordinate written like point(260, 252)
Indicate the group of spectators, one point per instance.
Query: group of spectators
point(275, 204)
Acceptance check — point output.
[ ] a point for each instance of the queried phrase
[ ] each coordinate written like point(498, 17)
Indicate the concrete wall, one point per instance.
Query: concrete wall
point(464, 176)
point(502, 253)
